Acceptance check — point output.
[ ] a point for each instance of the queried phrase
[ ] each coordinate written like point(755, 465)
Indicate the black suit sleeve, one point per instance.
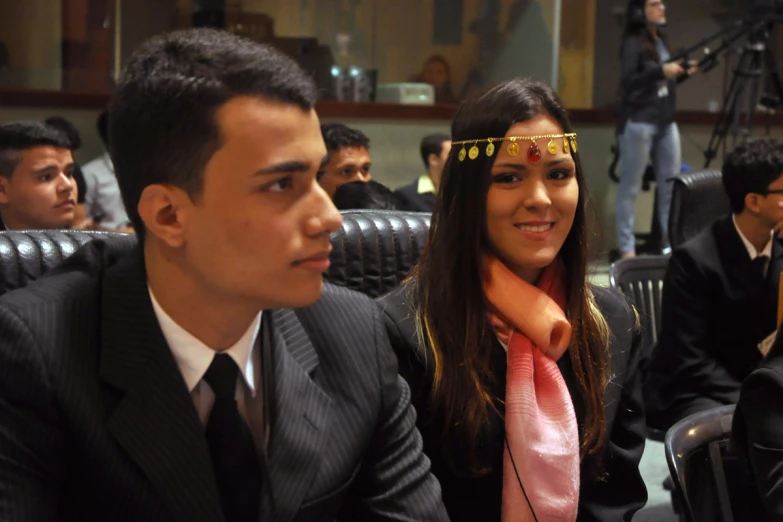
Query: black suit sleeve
point(637, 70)
point(760, 403)
point(623, 491)
point(684, 377)
point(396, 483)
point(33, 445)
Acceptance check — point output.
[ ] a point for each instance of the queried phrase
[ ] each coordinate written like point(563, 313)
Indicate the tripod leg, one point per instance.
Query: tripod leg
point(728, 110)
point(774, 73)
point(755, 76)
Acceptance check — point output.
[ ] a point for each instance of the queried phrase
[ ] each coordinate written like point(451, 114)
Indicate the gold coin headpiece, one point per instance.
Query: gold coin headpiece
point(533, 151)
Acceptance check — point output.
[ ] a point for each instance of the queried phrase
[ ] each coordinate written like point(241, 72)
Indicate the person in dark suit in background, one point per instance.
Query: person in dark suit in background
point(208, 373)
point(720, 293)
point(757, 431)
point(419, 196)
point(525, 377)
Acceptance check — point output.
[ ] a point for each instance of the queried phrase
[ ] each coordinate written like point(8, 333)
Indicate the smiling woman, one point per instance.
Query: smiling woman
point(483, 326)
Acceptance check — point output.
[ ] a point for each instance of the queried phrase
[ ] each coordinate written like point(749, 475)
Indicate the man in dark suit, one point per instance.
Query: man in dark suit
point(207, 373)
point(719, 302)
point(419, 196)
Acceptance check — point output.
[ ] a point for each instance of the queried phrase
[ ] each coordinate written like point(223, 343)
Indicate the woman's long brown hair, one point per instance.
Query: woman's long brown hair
point(452, 315)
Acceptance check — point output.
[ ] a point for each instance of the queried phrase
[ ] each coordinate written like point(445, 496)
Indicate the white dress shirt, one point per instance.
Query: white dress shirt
point(194, 357)
point(103, 200)
point(752, 252)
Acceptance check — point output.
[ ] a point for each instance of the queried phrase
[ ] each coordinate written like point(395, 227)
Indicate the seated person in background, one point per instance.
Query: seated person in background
point(757, 430)
point(347, 157)
point(37, 190)
point(525, 377)
point(419, 196)
point(103, 200)
point(365, 195)
point(69, 129)
point(436, 71)
point(208, 374)
point(720, 293)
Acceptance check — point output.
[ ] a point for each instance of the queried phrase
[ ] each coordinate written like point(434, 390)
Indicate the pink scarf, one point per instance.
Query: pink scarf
point(541, 425)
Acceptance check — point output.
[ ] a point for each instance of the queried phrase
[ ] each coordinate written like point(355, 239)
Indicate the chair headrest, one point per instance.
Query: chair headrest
point(698, 199)
point(374, 250)
point(26, 255)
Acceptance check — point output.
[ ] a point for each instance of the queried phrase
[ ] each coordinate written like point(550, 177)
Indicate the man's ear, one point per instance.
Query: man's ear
point(5, 190)
point(164, 209)
point(432, 159)
point(753, 202)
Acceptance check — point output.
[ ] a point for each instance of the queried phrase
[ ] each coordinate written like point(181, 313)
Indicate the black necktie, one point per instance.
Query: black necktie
point(760, 266)
point(234, 457)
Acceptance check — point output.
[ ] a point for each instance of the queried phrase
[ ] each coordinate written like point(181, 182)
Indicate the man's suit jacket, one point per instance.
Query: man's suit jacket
point(715, 310)
point(612, 495)
point(413, 201)
point(96, 422)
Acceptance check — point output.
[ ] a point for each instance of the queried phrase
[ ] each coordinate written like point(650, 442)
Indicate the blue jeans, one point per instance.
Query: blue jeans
point(639, 142)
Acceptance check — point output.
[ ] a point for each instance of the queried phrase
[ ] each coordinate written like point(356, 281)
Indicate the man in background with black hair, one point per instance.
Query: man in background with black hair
point(348, 157)
point(65, 126)
point(360, 195)
point(419, 196)
point(37, 190)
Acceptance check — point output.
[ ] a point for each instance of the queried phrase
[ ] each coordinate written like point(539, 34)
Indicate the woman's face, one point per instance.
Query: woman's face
point(435, 74)
point(655, 11)
point(531, 205)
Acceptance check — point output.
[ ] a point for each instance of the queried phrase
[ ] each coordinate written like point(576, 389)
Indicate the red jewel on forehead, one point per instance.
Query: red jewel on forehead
point(533, 153)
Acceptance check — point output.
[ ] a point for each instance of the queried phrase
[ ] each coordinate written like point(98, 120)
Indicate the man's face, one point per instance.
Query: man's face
point(770, 206)
point(259, 231)
point(345, 165)
point(41, 193)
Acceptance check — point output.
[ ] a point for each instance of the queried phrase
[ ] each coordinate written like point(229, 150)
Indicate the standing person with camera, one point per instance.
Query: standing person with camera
point(646, 127)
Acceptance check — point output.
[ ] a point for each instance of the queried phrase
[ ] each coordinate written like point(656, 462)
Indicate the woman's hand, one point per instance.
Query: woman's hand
point(673, 69)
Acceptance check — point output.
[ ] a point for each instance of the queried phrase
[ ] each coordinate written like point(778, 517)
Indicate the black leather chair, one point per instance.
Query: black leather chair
point(373, 251)
point(714, 482)
point(698, 199)
point(641, 280)
point(26, 255)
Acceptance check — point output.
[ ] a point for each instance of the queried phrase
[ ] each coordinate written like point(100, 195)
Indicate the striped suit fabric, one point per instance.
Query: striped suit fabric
point(96, 422)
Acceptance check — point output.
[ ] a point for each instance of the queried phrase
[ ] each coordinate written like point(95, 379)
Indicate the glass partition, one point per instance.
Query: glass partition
point(410, 51)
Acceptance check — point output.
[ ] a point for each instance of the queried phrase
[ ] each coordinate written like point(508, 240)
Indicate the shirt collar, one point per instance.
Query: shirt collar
point(194, 357)
point(425, 184)
point(752, 252)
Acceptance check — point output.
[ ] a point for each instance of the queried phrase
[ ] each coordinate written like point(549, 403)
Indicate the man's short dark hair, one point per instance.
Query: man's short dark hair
point(432, 144)
point(67, 128)
point(23, 135)
point(750, 169)
point(162, 125)
point(365, 195)
point(338, 136)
